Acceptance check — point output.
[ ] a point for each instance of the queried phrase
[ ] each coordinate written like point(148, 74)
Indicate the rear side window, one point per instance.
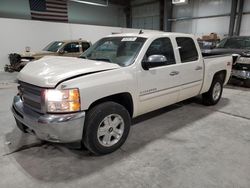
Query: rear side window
point(187, 49)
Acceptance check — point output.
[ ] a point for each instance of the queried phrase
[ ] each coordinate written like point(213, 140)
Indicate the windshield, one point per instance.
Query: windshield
point(53, 46)
point(235, 43)
point(118, 50)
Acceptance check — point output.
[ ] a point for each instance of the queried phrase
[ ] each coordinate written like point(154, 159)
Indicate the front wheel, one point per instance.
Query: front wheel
point(106, 128)
point(213, 95)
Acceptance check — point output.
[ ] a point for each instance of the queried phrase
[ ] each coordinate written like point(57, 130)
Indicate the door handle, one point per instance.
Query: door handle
point(173, 73)
point(198, 68)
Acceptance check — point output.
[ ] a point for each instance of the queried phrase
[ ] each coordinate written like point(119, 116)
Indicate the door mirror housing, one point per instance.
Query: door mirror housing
point(154, 61)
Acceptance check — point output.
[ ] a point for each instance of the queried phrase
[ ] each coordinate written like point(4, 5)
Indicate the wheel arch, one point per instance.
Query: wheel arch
point(125, 99)
point(208, 97)
point(209, 78)
point(221, 74)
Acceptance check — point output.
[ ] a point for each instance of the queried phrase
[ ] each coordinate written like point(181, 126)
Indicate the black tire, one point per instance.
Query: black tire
point(94, 119)
point(208, 98)
point(247, 83)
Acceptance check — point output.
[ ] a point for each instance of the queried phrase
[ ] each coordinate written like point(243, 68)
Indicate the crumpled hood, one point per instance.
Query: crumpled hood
point(48, 71)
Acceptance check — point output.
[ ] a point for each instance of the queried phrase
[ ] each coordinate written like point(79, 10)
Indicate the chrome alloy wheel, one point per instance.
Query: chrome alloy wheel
point(110, 130)
point(217, 91)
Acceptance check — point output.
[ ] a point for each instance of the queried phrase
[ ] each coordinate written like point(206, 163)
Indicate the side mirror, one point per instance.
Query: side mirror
point(154, 61)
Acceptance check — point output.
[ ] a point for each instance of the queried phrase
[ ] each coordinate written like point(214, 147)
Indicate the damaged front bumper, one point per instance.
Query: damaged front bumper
point(60, 128)
point(242, 74)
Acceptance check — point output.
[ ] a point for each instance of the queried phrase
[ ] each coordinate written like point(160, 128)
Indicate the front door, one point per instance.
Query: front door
point(159, 86)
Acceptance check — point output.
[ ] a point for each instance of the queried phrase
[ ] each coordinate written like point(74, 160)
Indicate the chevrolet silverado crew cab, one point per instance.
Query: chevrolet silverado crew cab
point(93, 98)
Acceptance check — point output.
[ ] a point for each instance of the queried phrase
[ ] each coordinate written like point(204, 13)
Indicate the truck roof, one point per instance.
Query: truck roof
point(149, 34)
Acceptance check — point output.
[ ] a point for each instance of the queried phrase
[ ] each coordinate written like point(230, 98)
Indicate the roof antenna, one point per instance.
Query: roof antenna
point(141, 32)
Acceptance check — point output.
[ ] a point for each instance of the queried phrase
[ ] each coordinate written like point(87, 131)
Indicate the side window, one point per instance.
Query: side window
point(85, 46)
point(162, 46)
point(187, 49)
point(72, 47)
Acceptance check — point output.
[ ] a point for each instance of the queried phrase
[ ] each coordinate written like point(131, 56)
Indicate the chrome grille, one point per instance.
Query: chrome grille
point(31, 96)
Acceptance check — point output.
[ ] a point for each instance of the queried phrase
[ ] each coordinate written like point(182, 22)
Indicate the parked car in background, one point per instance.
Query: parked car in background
point(235, 45)
point(93, 98)
point(207, 42)
point(207, 45)
point(70, 48)
point(241, 70)
point(231, 45)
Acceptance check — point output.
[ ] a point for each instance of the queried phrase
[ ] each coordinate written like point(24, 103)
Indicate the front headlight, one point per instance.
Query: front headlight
point(66, 100)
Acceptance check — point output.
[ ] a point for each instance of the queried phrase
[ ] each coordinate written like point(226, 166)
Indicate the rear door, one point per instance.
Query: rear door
point(159, 86)
point(191, 67)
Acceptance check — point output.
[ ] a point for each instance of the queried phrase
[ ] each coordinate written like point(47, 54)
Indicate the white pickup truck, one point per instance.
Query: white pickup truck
point(93, 98)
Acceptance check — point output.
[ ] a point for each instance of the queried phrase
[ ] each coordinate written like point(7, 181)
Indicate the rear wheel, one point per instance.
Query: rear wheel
point(213, 95)
point(106, 128)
